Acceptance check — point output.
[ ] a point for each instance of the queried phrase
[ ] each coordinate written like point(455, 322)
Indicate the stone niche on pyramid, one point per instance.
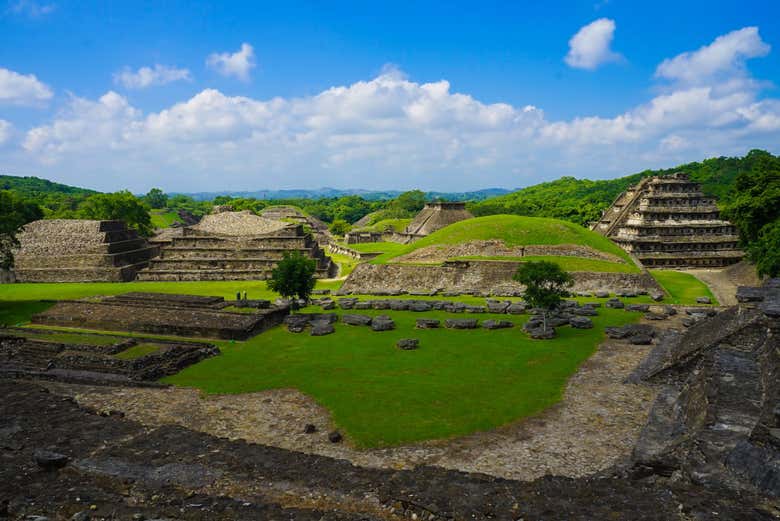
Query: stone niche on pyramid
point(667, 222)
point(230, 245)
point(75, 250)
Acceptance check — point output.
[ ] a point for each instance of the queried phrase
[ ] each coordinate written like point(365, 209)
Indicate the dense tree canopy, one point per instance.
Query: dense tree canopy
point(15, 212)
point(121, 206)
point(156, 198)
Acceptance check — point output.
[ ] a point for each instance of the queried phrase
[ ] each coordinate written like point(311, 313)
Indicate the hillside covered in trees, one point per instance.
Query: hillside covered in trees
point(583, 200)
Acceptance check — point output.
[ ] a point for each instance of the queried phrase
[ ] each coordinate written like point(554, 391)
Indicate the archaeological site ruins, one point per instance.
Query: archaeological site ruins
point(667, 222)
point(230, 245)
point(71, 250)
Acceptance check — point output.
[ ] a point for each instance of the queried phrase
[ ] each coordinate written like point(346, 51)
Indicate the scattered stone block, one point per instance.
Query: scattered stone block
point(497, 306)
point(640, 340)
point(419, 307)
point(328, 305)
point(689, 321)
point(629, 330)
point(461, 323)
point(585, 311)
point(638, 307)
point(382, 323)
point(517, 308)
point(362, 305)
point(497, 324)
point(581, 323)
point(750, 294)
point(309, 428)
point(427, 323)
point(655, 316)
point(335, 437)
point(356, 320)
point(322, 328)
point(615, 303)
point(657, 296)
point(540, 333)
point(320, 292)
point(408, 344)
point(399, 305)
point(296, 323)
point(380, 304)
point(49, 460)
point(707, 312)
point(703, 300)
point(601, 294)
point(347, 303)
point(474, 309)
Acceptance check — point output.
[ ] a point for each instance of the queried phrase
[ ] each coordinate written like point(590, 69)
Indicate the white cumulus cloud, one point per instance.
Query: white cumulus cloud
point(6, 129)
point(21, 89)
point(238, 64)
point(590, 46)
point(387, 132)
point(723, 58)
point(150, 76)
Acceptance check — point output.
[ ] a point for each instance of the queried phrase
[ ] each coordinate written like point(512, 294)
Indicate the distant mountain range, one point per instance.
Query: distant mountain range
point(372, 195)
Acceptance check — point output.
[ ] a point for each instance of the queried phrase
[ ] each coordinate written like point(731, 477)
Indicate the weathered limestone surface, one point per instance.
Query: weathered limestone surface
point(233, 246)
point(72, 250)
point(716, 421)
point(668, 222)
point(180, 315)
point(478, 277)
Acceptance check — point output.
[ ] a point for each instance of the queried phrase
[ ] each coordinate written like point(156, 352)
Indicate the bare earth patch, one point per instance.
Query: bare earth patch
point(724, 282)
point(496, 248)
point(594, 426)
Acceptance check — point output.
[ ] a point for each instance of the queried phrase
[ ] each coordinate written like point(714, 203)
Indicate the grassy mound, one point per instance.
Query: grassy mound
point(683, 287)
point(396, 224)
point(514, 230)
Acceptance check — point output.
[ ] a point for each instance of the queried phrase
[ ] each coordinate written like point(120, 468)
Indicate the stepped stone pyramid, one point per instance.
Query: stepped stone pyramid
point(232, 245)
point(435, 216)
point(667, 221)
point(73, 250)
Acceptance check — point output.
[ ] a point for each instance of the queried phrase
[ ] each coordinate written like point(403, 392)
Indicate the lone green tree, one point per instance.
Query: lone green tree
point(293, 277)
point(545, 285)
point(156, 198)
point(339, 227)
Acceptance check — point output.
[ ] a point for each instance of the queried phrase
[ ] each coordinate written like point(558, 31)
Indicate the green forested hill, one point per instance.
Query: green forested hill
point(30, 186)
point(582, 200)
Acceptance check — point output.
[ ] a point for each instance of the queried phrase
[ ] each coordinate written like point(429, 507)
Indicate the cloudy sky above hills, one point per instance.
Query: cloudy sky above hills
point(205, 97)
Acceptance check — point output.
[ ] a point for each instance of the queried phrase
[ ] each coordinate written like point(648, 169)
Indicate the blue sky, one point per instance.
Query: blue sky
point(458, 95)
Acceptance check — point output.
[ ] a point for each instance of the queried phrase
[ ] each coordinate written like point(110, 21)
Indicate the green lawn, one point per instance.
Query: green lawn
point(377, 247)
point(513, 230)
point(458, 382)
point(137, 351)
point(163, 218)
point(683, 287)
point(346, 263)
point(398, 225)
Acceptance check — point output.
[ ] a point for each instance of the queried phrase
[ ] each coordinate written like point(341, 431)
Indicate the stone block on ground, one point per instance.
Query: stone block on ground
point(366, 304)
point(382, 323)
point(497, 306)
point(356, 320)
point(581, 322)
point(640, 340)
point(703, 300)
point(615, 303)
point(419, 306)
point(380, 304)
point(601, 294)
point(497, 324)
point(585, 311)
point(516, 308)
point(427, 323)
point(321, 328)
point(539, 333)
point(399, 305)
point(474, 309)
point(638, 307)
point(657, 296)
point(461, 323)
point(408, 344)
point(49, 460)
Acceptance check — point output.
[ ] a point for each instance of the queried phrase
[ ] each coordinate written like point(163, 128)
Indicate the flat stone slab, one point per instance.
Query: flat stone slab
point(461, 323)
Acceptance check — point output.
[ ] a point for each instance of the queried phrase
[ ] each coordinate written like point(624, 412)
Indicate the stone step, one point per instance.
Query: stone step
point(94, 274)
point(216, 274)
point(109, 260)
point(178, 253)
point(241, 243)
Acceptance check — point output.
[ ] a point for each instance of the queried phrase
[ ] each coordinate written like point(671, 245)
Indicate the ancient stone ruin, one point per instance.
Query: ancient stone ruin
point(31, 356)
point(231, 245)
point(178, 315)
point(667, 221)
point(433, 217)
point(71, 250)
point(291, 214)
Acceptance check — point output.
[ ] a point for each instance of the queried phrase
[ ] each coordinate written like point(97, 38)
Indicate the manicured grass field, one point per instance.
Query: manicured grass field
point(513, 230)
point(396, 224)
point(683, 287)
point(388, 248)
point(137, 351)
point(163, 219)
point(458, 382)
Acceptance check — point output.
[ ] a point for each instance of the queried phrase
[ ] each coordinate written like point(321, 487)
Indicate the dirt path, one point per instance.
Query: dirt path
point(603, 414)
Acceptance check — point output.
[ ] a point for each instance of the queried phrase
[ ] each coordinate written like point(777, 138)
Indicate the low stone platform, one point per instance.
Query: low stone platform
point(163, 314)
point(29, 357)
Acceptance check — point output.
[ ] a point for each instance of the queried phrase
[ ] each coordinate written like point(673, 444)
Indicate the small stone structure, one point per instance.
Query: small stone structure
point(291, 214)
point(668, 222)
point(476, 277)
point(233, 246)
point(162, 314)
point(74, 250)
point(31, 357)
point(433, 217)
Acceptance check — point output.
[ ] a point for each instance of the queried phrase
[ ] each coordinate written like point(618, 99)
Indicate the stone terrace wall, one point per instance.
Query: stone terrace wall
point(476, 276)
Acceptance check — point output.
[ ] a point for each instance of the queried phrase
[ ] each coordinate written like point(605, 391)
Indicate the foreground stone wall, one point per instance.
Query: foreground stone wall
point(493, 277)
